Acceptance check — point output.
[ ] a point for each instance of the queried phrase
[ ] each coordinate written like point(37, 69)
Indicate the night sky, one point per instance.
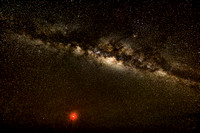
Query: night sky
point(96, 66)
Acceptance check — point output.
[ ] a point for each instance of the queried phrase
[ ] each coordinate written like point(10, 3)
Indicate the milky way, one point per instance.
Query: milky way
point(118, 66)
point(112, 50)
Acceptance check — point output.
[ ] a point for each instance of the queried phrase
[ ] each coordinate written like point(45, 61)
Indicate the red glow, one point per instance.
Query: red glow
point(73, 116)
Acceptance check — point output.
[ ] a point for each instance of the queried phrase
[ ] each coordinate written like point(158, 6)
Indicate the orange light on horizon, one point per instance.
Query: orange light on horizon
point(73, 116)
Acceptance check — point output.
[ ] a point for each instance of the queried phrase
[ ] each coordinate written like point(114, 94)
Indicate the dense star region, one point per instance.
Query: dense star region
point(116, 66)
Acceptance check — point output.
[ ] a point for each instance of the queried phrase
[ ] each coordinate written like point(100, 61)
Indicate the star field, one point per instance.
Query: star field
point(115, 66)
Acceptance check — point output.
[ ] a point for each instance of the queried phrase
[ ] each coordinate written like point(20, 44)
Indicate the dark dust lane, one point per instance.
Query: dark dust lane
point(120, 66)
